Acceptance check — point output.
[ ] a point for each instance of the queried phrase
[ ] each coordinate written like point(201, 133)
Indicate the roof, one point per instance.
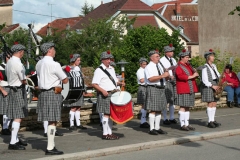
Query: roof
point(157, 6)
point(144, 20)
point(10, 28)
point(59, 24)
point(6, 2)
point(135, 5)
point(189, 21)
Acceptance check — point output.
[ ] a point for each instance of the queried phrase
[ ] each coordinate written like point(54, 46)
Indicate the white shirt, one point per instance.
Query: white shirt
point(205, 75)
point(151, 71)
point(3, 83)
point(165, 62)
point(140, 75)
point(15, 71)
point(76, 68)
point(49, 73)
point(103, 80)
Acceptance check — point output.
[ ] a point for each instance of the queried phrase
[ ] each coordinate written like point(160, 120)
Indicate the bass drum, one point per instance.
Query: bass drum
point(73, 90)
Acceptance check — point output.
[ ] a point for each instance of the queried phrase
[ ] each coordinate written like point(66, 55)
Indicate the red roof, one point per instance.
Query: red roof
point(10, 28)
point(144, 20)
point(157, 6)
point(6, 2)
point(190, 25)
point(135, 5)
point(59, 24)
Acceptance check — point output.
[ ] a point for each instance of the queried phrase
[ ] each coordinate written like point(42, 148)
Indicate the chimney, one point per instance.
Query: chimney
point(178, 8)
point(101, 2)
point(49, 30)
point(68, 27)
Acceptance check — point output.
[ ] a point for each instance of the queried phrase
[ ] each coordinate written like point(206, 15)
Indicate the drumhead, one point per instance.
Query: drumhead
point(121, 98)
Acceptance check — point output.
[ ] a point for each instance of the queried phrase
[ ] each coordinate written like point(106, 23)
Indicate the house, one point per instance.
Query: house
point(58, 25)
point(6, 12)
point(11, 28)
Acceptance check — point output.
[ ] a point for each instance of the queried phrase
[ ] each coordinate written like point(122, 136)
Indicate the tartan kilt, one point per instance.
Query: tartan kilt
point(103, 103)
point(49, 106)
point(79, 103)
point(185, 100)
point(170, 91)
point(141, 95)
point(208, 94)
point(4, 101)
point(155, 99)
point(17, 104)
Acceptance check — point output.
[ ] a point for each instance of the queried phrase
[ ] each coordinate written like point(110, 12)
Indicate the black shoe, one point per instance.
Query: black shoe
point(184, 128)
point(6, 132)
point(45, 135)
point(191, 128)
point(72, 128)
point(166, 122)
point(58, 133)
point(144, 125)
point(81, 127)
point(232, 104)
point(16, 147)
point(211, 125)
point(160, 131)
point(174, 121)
point(153, 132)
point(216, 124)
point(238, 105)
point(54, 151)
point(22, 143)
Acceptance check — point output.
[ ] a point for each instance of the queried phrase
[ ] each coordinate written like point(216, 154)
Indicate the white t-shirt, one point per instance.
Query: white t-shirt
point(140, 75)
point(151, 71)
point(166, 63)
point(205, 75)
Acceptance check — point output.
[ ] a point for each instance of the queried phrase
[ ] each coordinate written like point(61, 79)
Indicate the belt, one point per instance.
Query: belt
point(214, 79)
point(143, 85)
point(14, 87)
point(44, 90)
point(156, 86)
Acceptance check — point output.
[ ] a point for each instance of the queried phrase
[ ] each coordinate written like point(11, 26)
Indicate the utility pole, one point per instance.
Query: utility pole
point(51, 9)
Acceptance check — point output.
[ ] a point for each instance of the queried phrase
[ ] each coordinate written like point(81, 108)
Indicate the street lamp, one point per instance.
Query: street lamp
point(122, 63)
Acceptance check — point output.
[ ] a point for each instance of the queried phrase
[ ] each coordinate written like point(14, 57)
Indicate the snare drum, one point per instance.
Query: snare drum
point(121, 98)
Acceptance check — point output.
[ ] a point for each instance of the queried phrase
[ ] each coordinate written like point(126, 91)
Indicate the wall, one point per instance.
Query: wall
point(6, 15)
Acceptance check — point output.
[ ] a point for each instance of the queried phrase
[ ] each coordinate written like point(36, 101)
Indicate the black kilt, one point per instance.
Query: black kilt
point(79, 103)
point(155, 99)
point(17, 104)
point(49, 106)
point(208, 93)
point(4, 101)
point(185, 100)
point(170, 91)
point(103, 103)
point(141, 95)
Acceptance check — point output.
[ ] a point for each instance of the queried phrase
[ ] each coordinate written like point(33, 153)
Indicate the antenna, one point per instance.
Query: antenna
point(51, 9)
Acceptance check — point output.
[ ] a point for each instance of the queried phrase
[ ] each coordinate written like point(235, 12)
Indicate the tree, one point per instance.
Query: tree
point(85, 9)
point(237, 9)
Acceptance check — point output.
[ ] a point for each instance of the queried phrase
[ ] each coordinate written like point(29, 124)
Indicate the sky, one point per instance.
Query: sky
point(58, 9)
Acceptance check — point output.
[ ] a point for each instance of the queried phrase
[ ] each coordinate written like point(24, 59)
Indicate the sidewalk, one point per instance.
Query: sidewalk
point(87, 144)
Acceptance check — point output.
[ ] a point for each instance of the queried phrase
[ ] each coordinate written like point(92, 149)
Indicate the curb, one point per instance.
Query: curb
point(141, 146)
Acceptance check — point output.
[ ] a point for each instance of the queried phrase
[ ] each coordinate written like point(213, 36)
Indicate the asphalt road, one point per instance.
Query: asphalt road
point(227, 148)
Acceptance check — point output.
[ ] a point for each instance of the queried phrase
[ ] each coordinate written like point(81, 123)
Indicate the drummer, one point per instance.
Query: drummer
point(105, 82)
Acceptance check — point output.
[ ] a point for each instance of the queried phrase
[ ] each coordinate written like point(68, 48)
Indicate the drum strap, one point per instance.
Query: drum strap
point(108, 74)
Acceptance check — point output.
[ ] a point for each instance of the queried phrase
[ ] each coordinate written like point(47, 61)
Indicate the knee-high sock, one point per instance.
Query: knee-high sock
point(14, 134)
point(171, 111)
point(45, 126)
point(181, 118)
point(105, 125)
point(77, 117)
point(101, 116)
point(151, 120)
point(143, 116)
point(187, 116)
point(71, 118)
point(213, 113)
point(164, 112)
point(6, 122)
point(209, 113)
point(51, 135)
point(110, 124)
point(157, 121)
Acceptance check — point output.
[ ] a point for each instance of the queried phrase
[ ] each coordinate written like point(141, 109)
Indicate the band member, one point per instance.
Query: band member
point(45, 127)
point(168, 61)
point(141, 94)
point(210, 78)
point(75, 61)
point(186, 87)
point(17, 107)
point(3, 97)
point(105, 82)
point(155, 98)
point(50, 75)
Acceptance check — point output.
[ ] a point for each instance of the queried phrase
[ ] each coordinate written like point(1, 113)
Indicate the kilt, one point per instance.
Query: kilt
point(49, 106)
point(208, 94)
point(185, 100)
point(141, 95)
point(170, 92)
point(103, 103)
point(79, 103)
point(17, 104)
point(155, 99)
point(4, 102)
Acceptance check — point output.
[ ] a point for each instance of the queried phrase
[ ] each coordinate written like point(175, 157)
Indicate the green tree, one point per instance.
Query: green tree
point(85, 9)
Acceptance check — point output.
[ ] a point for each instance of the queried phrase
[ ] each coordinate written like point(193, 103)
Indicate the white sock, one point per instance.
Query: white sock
point(77, 117)
point(209, 113)
point(71, 118)
point(143, 117)
point(6, 122)
point(110, 124)
point(157, 121)
point(101, 117)
point(45, 126)
point(105, 125)
point(171, 111)
point(14, 135)
point(164, 113)
point(151, 120)
point(213, 113)
point(181, 118)
point(51, 134)
point(187, 116)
